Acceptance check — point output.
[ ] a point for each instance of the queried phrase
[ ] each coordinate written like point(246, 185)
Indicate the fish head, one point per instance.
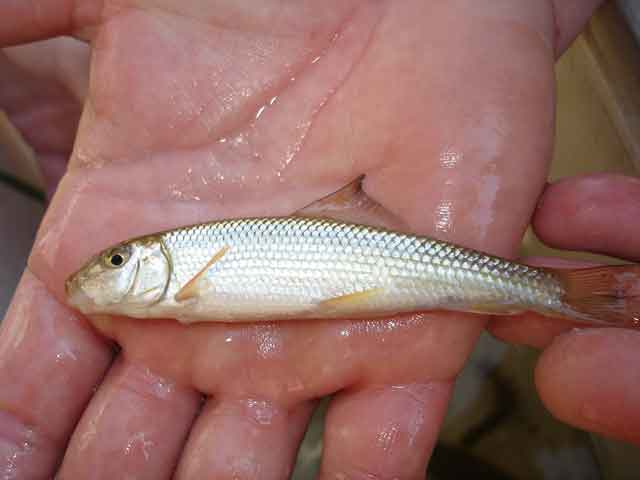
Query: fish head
point(122, 280)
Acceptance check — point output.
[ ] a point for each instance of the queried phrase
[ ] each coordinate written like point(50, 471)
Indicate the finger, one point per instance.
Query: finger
point(571, 16)
point(41, 100)
point(383, 431)
point(244, 439)
point(529, 329)
point(50, 360)
point(22, 21)
point(63, 59)
point(134, 427)
point(589, 379)
point(292, 362)
point(596, 212)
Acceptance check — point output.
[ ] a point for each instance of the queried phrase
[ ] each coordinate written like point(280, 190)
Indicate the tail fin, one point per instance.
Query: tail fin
point(605, 295)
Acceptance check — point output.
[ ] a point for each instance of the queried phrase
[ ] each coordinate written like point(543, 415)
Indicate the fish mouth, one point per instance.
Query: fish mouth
point(76, 297)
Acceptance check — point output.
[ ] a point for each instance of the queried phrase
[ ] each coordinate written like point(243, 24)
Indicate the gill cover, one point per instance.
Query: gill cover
point(124, 279)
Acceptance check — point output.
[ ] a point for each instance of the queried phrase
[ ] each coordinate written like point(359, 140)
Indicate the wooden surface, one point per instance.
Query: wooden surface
point(598, 125)
point(598, 109)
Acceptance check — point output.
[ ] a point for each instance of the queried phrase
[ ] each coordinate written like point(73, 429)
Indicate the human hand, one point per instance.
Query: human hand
point(42, 91)
point(446, 107)
point(586, 377)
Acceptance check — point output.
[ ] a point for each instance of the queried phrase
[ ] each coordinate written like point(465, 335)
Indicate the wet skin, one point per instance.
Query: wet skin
point(200, 111)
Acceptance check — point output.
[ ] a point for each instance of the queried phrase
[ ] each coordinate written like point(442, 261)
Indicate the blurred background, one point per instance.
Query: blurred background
point(496, 427)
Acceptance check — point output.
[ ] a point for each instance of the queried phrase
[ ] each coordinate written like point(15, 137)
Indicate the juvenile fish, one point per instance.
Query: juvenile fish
point(297, 267)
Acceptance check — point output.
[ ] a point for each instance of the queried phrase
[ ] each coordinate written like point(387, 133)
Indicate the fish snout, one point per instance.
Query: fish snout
point(76, 296)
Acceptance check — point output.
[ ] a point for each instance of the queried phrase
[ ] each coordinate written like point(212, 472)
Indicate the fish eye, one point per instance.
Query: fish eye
point(116, 258)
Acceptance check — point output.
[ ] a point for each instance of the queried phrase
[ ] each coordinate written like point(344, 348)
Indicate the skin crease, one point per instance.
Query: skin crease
point(434, 115)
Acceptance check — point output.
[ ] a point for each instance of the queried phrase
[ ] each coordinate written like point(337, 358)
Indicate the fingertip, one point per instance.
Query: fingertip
point(593, 212)
point(588, 378)
point(50, 362)
point(383, 431)
point(549, 209)
point(528, 329)
point(134, 426)
point(244, 438)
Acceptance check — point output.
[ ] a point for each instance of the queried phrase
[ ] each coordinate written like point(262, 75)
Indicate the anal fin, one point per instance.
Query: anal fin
point(493, 309)
point(190, 289)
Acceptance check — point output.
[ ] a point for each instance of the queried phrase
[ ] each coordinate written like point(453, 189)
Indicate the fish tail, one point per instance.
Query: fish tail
point(606, 295)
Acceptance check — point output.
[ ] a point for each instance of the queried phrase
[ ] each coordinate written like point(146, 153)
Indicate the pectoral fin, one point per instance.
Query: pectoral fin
point(190, 289)
point(351, 300)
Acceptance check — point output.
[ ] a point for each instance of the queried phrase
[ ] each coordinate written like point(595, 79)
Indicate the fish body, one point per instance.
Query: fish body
point(295, 268)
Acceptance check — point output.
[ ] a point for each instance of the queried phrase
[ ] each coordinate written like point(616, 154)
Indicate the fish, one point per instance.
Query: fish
point(313, 266)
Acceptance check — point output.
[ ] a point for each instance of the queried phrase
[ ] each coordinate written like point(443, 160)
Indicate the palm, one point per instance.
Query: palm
point(214, 111)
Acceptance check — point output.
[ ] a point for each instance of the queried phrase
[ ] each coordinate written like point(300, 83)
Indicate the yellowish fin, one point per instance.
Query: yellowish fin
point(604, 294)
point(351, 300)
point(190, 289)
point(351, 203)
point(494, 309)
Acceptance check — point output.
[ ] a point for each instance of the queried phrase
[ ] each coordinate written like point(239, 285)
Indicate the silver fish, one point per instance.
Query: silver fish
point(299, 268)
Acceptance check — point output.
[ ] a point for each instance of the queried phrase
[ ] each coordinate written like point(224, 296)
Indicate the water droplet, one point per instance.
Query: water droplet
point(140, 440)
point(260, 110)
point(65, 353)
point(444, 216)
point(449, 158)
point(268, 340)
point(261, 411)
point(387, 437)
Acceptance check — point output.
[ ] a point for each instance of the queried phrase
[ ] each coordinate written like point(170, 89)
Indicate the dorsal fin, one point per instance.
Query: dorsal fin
point(351, 203)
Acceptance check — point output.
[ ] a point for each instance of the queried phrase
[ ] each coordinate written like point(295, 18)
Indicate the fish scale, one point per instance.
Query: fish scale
point(297, 264)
